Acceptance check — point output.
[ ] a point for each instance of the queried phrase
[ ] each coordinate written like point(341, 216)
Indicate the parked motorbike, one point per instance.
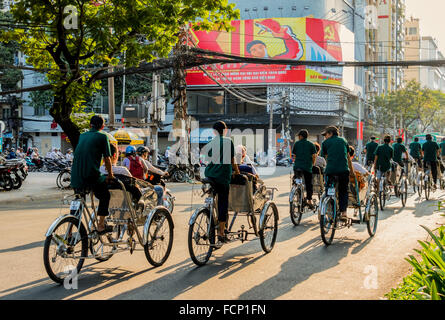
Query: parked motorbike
point(5, 178)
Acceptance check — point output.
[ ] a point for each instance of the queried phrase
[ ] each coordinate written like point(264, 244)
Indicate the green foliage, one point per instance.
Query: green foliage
point(9, 77)
point(411, 104)
point(427, 281)
point(41, 100)
point(74, 57)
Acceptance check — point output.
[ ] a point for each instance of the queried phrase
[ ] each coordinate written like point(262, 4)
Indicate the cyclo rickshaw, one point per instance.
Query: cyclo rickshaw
point(361, 197)
point(255, 201)
point(396, 178)
point(297, 203)
point(69, 239)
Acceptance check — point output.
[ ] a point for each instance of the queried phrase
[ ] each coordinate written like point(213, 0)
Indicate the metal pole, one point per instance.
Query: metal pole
point(269, 147)
point(123, 89)
point(154, 128)
point(359, 129)
point(111, 120)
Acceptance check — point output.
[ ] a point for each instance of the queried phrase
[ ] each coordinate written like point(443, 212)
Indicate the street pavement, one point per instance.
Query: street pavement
point(37, 186)
point(299, 267)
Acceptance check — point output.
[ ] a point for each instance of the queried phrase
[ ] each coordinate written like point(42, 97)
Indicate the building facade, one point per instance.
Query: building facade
point(298, 104)
point(391, 34)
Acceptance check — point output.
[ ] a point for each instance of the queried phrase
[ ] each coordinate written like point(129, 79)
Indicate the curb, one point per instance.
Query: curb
point(30, 198)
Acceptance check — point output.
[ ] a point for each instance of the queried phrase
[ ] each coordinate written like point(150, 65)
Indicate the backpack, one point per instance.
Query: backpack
point(136, 168)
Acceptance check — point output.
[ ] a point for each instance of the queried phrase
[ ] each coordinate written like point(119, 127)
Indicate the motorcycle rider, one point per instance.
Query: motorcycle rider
point(143, 153)
point(335, 150)
point(134, 163)
point(91, 148)
point(304, 155)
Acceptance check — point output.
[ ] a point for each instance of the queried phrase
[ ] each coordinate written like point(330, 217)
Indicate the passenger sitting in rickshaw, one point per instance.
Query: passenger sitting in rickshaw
point(245, 167)
point(360, 170)
point(128, 180)
point(320, 162)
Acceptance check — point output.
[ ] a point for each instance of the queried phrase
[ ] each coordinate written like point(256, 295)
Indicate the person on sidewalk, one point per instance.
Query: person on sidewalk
point(220, 169)
point(91, 148)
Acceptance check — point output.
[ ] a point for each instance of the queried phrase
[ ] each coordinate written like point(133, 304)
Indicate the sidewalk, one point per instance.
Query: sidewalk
point(37, 186)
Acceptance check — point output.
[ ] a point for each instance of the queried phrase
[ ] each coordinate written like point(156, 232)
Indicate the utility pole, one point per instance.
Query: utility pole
point(155, 98)
point(359, 129)
point(111, 120)
point(270, 135)
point(123, 90)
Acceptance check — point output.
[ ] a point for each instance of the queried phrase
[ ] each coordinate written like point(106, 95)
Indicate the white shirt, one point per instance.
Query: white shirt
point(69, 156)
point(116, 170)
point(152, 168)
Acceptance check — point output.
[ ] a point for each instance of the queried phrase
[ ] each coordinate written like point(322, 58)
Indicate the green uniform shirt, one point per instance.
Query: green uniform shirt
point(385, 153)
point(442, 146)
point(414, 149)
point(399, 148)
point(220, 166)
point(370, 150)
point(92, 146)
point(303, 151)
point(335, 150)
point(430, 151)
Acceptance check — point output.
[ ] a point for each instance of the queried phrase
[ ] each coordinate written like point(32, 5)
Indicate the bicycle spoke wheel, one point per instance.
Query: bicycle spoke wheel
point(427, 188)
point(382, 199)
point(373, 216)
point(160, 238)
point(65, 249)
point(65, 179)
point(269, 228)
point(328, 221)
point(296, 210)
point(419, 186)
point(200, 238)
point(404, 192)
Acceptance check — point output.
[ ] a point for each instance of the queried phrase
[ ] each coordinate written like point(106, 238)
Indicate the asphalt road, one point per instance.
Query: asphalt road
point(299, 266)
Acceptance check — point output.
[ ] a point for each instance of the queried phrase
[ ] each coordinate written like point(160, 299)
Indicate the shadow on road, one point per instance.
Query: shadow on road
point(32, 245)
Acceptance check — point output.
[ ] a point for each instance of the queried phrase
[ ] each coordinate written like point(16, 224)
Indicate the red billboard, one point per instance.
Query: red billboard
point(277, 38)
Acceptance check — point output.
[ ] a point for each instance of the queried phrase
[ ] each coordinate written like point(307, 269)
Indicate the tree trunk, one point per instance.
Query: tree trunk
point(61, 111)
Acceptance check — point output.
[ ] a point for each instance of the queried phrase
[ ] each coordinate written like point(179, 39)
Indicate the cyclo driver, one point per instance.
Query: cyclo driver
point(305, 154)
point(382, 162)
point(370, 148)
point(92, 146)
point(399, 149)
point(339, 165)
point(430, 154)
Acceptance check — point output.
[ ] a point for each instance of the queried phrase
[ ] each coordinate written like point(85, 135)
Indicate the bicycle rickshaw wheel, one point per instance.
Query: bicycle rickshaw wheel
point(404, 193)
point(373, 216)
point(296, 208)
point(96, 245)
point(269, 228)
point(328, 221)
point(160, 238)
point(420, 187)
point(54, 270)
point(200, 243)
point(382, 200)
point(427, 190)
point(442, 184)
